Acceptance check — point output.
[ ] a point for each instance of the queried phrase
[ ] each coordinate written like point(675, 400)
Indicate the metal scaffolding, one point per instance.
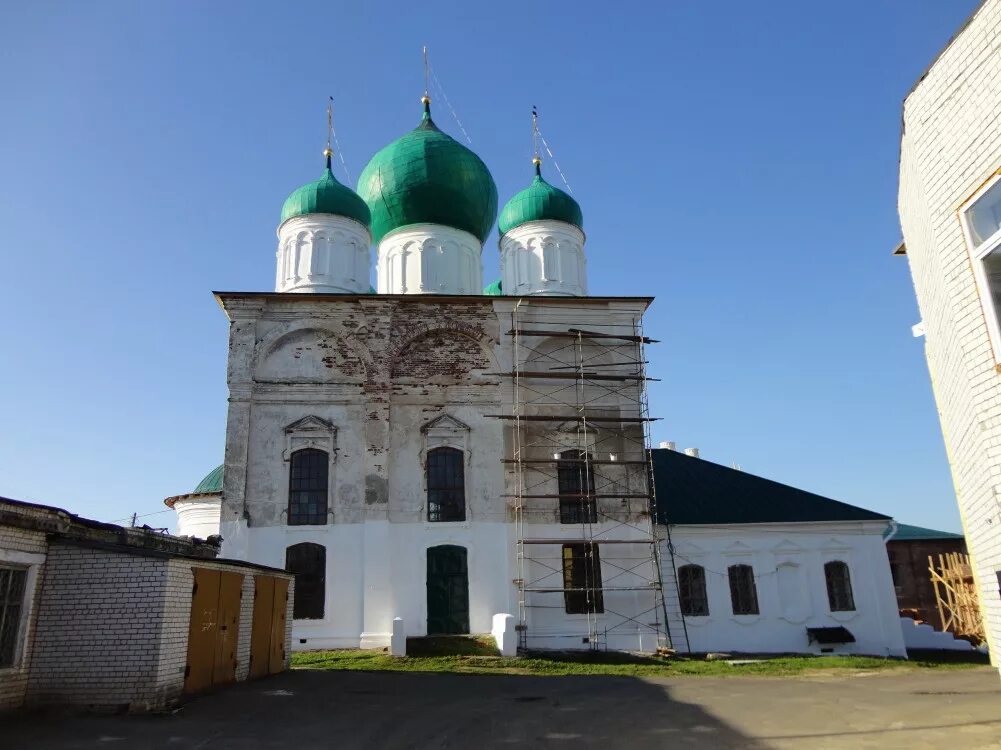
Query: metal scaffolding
point(582, 492)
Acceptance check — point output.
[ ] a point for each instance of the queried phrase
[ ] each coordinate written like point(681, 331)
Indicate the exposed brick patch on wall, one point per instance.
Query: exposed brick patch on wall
point(911, 579)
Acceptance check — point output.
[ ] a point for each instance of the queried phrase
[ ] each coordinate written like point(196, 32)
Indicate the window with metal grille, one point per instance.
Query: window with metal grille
point(446, 482)
point(575, 476)
point(839, 586)
point(12, 582)
point(743, 592)
point(582, 579)
point(308, 563)
point(692, 590)
point(307, 489)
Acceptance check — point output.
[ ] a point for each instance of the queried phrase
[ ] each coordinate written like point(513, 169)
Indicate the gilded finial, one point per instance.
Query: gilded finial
point(426, 101)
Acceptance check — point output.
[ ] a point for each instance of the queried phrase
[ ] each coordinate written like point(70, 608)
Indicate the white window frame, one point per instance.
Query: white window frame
point(32, 562)
point(977, 255)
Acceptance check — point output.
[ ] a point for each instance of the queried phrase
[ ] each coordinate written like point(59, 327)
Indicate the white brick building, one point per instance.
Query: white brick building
point(950, 213)
point(100, 616)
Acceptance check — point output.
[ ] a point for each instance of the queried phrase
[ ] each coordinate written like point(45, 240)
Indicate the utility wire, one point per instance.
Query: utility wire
point(429, 72)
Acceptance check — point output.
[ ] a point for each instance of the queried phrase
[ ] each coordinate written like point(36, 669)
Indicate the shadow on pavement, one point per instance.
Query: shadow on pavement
point(307, 709)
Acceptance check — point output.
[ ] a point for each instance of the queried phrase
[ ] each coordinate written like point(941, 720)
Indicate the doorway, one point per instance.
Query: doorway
point(448, 590)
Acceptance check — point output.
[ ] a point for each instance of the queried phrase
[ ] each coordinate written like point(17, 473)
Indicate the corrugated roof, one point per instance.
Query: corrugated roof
point(908, 533)
point(695, 491)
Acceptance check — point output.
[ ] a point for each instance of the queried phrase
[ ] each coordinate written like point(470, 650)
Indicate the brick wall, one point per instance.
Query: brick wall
point(23, 548)
point(112, 628)
point(951, 145)
point(98, 628)
point(911, 579)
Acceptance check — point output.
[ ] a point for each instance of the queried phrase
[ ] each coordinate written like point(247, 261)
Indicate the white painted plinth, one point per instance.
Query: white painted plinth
point(504, 634)
point(398, 640)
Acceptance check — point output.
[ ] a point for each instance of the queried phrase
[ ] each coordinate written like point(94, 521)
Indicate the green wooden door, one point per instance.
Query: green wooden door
point(448, 590)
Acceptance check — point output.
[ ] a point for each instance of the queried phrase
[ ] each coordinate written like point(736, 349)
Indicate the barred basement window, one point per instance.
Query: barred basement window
point(308, 562)
point(446, 483)
point(307, 494)
point(839, 587)
point(692, 590)
point(582, 579)
point(743, 593)
point(12, 582)
point(575, 476)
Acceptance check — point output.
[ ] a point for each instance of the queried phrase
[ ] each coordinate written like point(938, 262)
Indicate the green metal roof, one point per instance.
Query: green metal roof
point(540, 201)
point(908, 533)
point(494, 290)
point(695, 491)
point(326, 196)
point(428, 177)
point(212, 481)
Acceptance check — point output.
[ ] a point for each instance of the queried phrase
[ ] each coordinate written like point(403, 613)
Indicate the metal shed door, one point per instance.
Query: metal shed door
point(277, 650)
point(214, 629)
point(202, 630)
point(260, 632)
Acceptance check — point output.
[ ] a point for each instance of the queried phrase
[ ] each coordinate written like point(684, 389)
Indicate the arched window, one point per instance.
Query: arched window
point(743, 592)
point(692, 590)
point(575, 476)
point(308, 563)
point(446, 483)
point(307, 488)
point(839, 587)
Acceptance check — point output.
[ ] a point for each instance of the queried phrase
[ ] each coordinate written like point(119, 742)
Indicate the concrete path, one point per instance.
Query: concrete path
point(957, 710)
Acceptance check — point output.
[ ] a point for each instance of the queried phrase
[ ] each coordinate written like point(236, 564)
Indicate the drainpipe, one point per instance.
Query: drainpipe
point(893, 528)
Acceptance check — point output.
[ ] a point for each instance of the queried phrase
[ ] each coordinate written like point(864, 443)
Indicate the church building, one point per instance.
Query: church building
point(448, 454)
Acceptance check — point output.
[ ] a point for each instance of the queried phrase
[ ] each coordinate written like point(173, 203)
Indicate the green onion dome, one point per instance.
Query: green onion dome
point(494, 290)
point(212, 481)
point(427, 177)
point(326, 196)
point(540, 201)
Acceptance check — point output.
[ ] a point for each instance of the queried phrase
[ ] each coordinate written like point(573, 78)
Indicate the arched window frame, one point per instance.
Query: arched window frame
point(692, 592)
point(307, 561)
point(838, 577)
point(743, 590)
point(445, 432)
point(445, 484)
point(309, 487)
point(311, 433)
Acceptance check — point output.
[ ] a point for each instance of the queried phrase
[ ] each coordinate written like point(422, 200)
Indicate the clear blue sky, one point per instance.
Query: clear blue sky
point(736, 160)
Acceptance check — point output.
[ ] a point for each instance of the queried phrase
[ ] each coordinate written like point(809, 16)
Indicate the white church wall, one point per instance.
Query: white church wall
point(429, 259)
point(788, 561)
point(323, 254)
point(197, 514)
point(544, 257)
point(377, 382)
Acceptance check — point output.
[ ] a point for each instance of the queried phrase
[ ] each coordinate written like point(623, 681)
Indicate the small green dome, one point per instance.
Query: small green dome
point(326, 196)
point(494, 290)
point(427, 177)
point(212, 481)
point(540, 201)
